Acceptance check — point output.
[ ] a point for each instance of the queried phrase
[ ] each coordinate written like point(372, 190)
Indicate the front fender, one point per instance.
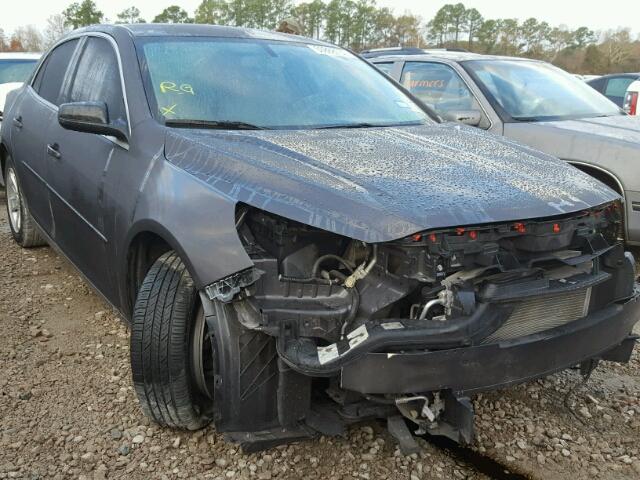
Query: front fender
point(194, 220)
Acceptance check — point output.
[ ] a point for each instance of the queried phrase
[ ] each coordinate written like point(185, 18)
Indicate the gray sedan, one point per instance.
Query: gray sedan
point(534, 103)
point(297, 244)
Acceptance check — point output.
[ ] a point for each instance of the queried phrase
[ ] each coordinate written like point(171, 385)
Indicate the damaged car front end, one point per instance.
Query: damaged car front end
point(413, 326)
point(349, 256)
point(298, 244)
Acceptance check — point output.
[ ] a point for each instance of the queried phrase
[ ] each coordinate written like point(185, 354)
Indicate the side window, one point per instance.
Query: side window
point(48, 82)
point(617, 87)
point(37, 81)
point(439, 87)
point(97, 79)
point(386, 67)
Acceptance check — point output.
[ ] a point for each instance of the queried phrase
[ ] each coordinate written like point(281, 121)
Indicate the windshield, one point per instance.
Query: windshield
point(268, 84)
point(16, 70)
point(530, 91)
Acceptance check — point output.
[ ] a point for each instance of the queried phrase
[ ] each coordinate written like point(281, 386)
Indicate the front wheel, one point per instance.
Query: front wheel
point(23, 227)
point(193, 364)
point(172, 359)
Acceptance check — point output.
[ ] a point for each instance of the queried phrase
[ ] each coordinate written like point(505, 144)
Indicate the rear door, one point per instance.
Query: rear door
point(82, 161)
point(34, 112)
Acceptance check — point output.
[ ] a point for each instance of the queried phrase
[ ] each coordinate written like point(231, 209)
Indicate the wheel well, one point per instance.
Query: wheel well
point(144, 250)
point(605, 177)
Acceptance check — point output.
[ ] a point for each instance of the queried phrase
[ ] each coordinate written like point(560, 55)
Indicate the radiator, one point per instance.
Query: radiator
point(543, 313)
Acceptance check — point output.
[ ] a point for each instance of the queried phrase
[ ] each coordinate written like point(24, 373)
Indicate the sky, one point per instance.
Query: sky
point(612, 14)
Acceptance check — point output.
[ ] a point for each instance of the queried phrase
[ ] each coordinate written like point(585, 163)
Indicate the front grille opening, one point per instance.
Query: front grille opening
point(543, 313)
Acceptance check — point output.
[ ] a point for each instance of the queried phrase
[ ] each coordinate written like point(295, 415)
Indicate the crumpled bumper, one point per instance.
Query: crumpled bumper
point(604, 334)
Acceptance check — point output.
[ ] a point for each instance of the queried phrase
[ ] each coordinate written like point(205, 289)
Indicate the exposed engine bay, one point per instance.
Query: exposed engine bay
point(332, 304)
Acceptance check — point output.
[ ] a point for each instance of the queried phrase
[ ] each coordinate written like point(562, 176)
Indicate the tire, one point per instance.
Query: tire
point(24, 230)
point(167, 329)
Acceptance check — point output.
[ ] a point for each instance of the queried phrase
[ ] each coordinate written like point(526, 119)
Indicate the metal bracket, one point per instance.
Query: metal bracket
point(225, 289)
point(399, 430)
point(456, 421)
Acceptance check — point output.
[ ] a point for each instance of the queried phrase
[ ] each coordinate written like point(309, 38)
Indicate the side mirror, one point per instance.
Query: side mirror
point(467, 117)
point(89, 117)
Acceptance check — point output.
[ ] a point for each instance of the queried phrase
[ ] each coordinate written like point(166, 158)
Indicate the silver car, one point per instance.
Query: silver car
point(531, 102)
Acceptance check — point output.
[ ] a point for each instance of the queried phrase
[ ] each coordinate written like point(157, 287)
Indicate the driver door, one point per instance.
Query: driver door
point(82, 161)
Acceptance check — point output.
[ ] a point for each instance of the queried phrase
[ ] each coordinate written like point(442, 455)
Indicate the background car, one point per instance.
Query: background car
point(15, 68)
point(632, 99)
point(614, 86)
point(534, 103)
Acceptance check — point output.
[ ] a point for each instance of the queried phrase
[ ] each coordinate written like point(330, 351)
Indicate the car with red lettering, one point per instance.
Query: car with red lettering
point(534, 103)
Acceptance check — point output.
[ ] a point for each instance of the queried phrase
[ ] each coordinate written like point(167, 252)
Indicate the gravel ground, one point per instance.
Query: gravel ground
point(68, 410)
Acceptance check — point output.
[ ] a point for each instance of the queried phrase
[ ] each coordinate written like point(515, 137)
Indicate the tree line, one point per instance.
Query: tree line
point(362, 24)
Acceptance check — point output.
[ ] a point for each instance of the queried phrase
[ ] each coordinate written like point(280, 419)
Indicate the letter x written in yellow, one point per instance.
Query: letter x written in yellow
point(168, 110)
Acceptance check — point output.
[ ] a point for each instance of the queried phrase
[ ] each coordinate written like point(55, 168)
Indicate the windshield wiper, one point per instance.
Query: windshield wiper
point(353, 125)
point(368, 125)
point(530, 119)
point(213, 124)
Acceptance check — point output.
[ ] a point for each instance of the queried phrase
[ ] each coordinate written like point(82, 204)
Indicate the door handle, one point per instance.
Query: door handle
point(17, 121)
point(54, 150)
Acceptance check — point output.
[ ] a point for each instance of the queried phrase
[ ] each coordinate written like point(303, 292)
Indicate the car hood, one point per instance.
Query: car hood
point(380, 184)
point(6, 88)
point(623, 128)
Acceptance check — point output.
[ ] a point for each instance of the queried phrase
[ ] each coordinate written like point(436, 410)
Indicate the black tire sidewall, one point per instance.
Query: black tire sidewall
point(161, 347)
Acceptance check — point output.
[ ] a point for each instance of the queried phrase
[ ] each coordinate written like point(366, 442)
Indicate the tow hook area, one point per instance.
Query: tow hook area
point(438, 413)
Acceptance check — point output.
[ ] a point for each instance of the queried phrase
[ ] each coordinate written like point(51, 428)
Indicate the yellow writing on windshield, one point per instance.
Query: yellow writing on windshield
point(173, 87)
point(168, 110)
point(186, 88)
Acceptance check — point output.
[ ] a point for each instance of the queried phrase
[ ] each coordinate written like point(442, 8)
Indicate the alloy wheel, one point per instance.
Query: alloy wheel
point(14, 200)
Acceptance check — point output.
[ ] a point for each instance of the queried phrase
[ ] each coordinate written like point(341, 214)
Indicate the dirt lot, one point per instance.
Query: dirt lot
point(68, 410)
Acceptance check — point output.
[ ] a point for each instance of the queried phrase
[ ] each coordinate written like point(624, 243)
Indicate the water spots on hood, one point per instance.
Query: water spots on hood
point(376, 184)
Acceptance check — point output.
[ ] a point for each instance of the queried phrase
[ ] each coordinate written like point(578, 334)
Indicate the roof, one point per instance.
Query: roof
point(197, 30)
point(630, 75)
point(19, 56)
point(380, 52)
point(449, 55)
